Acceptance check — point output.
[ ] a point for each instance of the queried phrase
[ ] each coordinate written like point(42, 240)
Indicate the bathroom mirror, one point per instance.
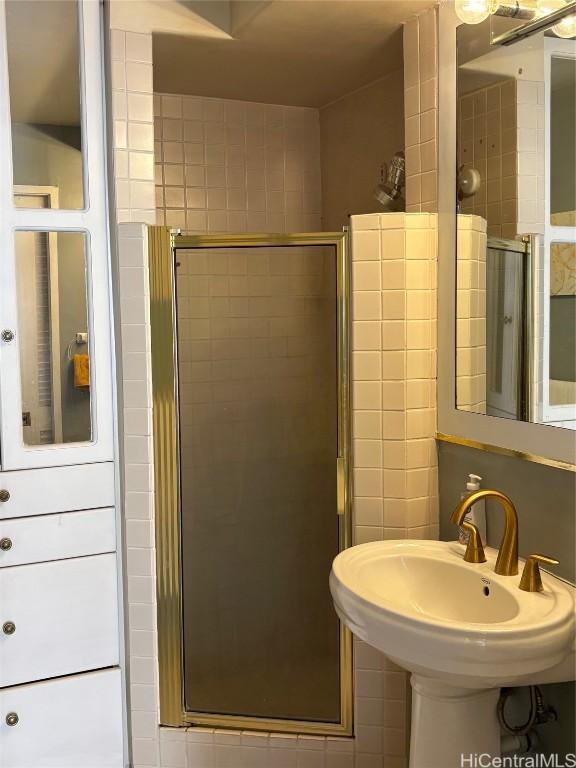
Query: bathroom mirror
point(53, 334)
point(43, 50)
point(516, 226)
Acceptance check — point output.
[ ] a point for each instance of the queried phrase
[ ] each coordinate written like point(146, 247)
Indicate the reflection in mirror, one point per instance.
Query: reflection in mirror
point(562, 324)
point(506, 267)
point(44, 73)
point(562, 142)
point(516, 227)
point(53, 336)
point(490, 309)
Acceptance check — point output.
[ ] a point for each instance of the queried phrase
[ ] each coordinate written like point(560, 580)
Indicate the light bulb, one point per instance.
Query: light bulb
point(474, 11)
point(544, 7)
point(566, 27)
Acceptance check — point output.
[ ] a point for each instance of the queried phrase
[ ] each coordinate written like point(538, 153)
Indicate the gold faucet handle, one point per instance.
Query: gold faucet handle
point(531, 580)
point(474, 549)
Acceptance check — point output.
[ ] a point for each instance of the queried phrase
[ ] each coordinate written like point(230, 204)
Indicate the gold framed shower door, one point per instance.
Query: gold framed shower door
point(162, 245)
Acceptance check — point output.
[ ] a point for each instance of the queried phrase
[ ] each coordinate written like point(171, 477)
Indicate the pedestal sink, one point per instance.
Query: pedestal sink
point(461, 630)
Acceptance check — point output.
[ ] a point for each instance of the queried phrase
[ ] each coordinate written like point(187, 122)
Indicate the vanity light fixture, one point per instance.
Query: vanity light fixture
point(535, 11)
point(475, 11)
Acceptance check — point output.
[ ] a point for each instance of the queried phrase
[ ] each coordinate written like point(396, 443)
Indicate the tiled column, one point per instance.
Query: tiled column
point(530, 156)
point(421, 111)
point(471, 314)
point(394, 422)
point(133, 120)
point(133, 165)
point(394, 376)
point(136, 390)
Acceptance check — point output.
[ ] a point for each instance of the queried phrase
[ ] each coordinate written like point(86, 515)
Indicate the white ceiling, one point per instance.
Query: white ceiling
point(210, 18)
point(292, 52)
point(43, 61)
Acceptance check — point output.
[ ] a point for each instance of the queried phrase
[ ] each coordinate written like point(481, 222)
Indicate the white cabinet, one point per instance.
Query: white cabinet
point(61, 702)
point(56, 489)
point(55, 537)
point(73, 722)
point(63, 617)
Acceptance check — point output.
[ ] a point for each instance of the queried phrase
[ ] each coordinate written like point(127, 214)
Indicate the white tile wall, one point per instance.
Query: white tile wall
point(235, 166)
point(487, 141)
point(509, 158)
point(133, 135)
point(530, 156)
point(421, 111)
point(358, 132)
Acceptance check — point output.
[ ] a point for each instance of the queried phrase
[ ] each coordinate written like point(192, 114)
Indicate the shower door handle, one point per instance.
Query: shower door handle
point(340, 485)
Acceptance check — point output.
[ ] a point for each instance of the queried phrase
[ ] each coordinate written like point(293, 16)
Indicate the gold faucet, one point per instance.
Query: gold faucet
point(507, 560)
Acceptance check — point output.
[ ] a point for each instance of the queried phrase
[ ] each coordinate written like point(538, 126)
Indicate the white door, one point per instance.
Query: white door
point(72, 722)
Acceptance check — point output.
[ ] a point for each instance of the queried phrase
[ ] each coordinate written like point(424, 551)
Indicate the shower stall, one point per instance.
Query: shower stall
point(509, 319)
point(251, 450)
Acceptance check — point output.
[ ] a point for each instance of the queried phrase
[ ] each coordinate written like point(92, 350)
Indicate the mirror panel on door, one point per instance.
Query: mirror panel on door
point(45, 108)
point(53, 337)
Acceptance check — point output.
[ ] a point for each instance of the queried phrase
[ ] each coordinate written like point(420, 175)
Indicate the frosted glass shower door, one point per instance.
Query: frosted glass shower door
point(260, 346)
point(505, 329)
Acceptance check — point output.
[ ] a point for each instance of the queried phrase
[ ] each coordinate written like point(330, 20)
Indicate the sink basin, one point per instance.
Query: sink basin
point(477, 628)
point(460, 628)
point(413, 581)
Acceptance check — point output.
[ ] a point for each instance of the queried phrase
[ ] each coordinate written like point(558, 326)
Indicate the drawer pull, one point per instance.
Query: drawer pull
point(12, 718)
point(7, 335)
point(5, 544)
point(9, 628)
point(4, 494)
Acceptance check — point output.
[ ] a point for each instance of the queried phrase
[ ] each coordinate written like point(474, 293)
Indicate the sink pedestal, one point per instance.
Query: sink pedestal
point(450, 722)
point(461, 629)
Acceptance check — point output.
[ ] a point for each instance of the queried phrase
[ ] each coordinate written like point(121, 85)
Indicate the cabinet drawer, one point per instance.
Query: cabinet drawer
point(55, 537)
point(57, 489)
point(74, 722)
point(65, 616)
